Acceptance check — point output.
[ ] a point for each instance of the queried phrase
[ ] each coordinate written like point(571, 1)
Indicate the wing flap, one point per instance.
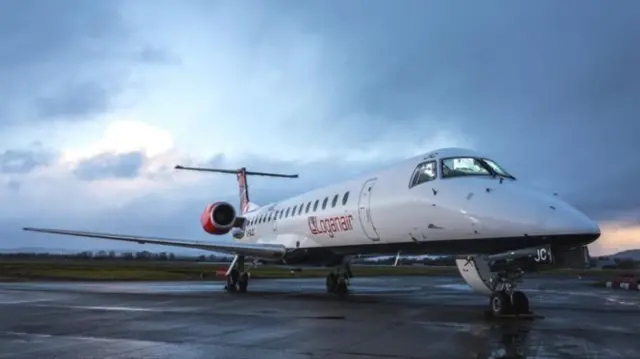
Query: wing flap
point(266, 251)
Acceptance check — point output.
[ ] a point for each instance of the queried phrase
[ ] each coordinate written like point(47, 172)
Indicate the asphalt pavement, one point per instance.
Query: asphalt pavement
point(383, 317)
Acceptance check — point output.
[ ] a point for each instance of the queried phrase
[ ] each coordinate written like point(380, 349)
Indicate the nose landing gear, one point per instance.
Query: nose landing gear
point(505, 301)
point(338, 282)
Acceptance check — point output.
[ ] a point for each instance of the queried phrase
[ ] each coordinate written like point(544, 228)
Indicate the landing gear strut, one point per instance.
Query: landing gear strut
point(338, 282)
point(237, 277)
point(504, 299)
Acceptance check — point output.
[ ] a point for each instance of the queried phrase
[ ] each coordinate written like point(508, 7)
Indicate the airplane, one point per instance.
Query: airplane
point(449, 201)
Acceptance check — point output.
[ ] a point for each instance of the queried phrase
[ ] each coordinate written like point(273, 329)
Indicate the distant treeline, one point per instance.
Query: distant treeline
point(434, 261)
point(112, 255)
point(618, 263)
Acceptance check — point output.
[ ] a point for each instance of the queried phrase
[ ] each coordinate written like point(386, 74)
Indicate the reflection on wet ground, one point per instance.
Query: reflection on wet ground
point(413, 317)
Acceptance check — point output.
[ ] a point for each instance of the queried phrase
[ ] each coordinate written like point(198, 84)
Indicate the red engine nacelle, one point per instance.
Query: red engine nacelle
point(218, 218)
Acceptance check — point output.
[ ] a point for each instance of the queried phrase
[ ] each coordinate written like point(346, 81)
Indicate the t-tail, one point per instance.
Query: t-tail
point(243, 186)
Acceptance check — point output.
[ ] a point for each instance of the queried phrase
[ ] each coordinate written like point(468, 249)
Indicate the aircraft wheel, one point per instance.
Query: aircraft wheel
point(243, 282)
point(232, 280)
point(500, 303)
point(342, 286)
point(520, 303)
point(332, 282)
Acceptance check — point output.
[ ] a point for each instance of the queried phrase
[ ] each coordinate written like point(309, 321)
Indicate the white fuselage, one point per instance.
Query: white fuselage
point(383, 213)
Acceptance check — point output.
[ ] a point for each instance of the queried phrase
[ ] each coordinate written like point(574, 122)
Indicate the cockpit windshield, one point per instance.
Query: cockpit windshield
point(471, 166)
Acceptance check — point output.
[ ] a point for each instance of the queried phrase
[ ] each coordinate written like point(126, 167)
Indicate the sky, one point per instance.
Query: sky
point(100, 99)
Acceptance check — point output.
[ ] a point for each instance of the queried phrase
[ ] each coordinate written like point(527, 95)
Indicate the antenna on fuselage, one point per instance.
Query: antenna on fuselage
point(241, 175)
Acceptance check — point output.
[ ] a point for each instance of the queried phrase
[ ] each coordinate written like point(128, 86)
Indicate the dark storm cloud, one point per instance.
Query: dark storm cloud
point(154, 55)
point(551, 89)
point(615, 196)
point(109, 165)
point(20, 161)
point(64, 58)
point(78, 100)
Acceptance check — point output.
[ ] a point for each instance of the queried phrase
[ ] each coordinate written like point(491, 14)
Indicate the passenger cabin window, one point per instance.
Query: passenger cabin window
point(324, 203)
point(269, 217)
point(345, 198)
point(306, 210)
point(464, 166)
point(300, 209)
point(315, 205)
point(293, 212)
point(334, 201)
point(287, 213)
point(424, 172)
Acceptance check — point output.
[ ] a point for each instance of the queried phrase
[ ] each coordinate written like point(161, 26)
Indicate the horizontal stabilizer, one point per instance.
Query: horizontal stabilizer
point(241, 173)
point(263, 251)
point(248, 173)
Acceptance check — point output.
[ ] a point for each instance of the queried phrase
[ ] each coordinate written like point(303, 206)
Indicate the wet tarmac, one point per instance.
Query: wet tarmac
point(411, 317)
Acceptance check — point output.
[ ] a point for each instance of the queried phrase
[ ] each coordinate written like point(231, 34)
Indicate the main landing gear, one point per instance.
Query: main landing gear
point(237, 276)
point(338, 282)
point(501, 287)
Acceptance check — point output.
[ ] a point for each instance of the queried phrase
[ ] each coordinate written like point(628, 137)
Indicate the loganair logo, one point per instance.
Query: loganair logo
point(244, 195)
point(330, 225)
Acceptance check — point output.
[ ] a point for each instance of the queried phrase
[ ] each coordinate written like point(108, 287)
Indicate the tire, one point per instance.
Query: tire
point(232, 280)
point(243, 282)
point(500, 304)
point(520, 303)
point(342, 287)
point(332, 283)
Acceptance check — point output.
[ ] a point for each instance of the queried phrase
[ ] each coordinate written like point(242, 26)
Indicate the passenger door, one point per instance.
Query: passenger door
point(364, 210)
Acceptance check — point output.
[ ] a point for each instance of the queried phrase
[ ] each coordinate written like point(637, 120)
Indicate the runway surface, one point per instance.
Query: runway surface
point(411, 317)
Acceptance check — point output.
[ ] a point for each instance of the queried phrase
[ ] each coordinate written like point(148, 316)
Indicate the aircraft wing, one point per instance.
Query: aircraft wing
point(266, 251)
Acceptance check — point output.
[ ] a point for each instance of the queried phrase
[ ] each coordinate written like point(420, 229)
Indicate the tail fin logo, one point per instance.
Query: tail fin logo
point(244, 191)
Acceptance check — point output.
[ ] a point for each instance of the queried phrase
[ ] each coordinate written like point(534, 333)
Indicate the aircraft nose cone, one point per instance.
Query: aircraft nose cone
point(520, 208)
point(563, 218)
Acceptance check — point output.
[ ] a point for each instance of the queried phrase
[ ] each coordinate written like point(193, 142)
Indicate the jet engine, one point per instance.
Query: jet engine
point(218, 218)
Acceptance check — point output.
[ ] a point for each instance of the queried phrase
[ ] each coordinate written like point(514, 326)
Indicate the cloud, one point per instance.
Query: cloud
point(76, 100)
point(613, 196)
point(549, 90)
point(109, 165)
point(65, 59)
point(19, 161)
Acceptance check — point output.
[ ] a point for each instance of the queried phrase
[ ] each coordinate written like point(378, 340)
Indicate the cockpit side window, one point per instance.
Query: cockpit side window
point(496, 168)
point(424, 172)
